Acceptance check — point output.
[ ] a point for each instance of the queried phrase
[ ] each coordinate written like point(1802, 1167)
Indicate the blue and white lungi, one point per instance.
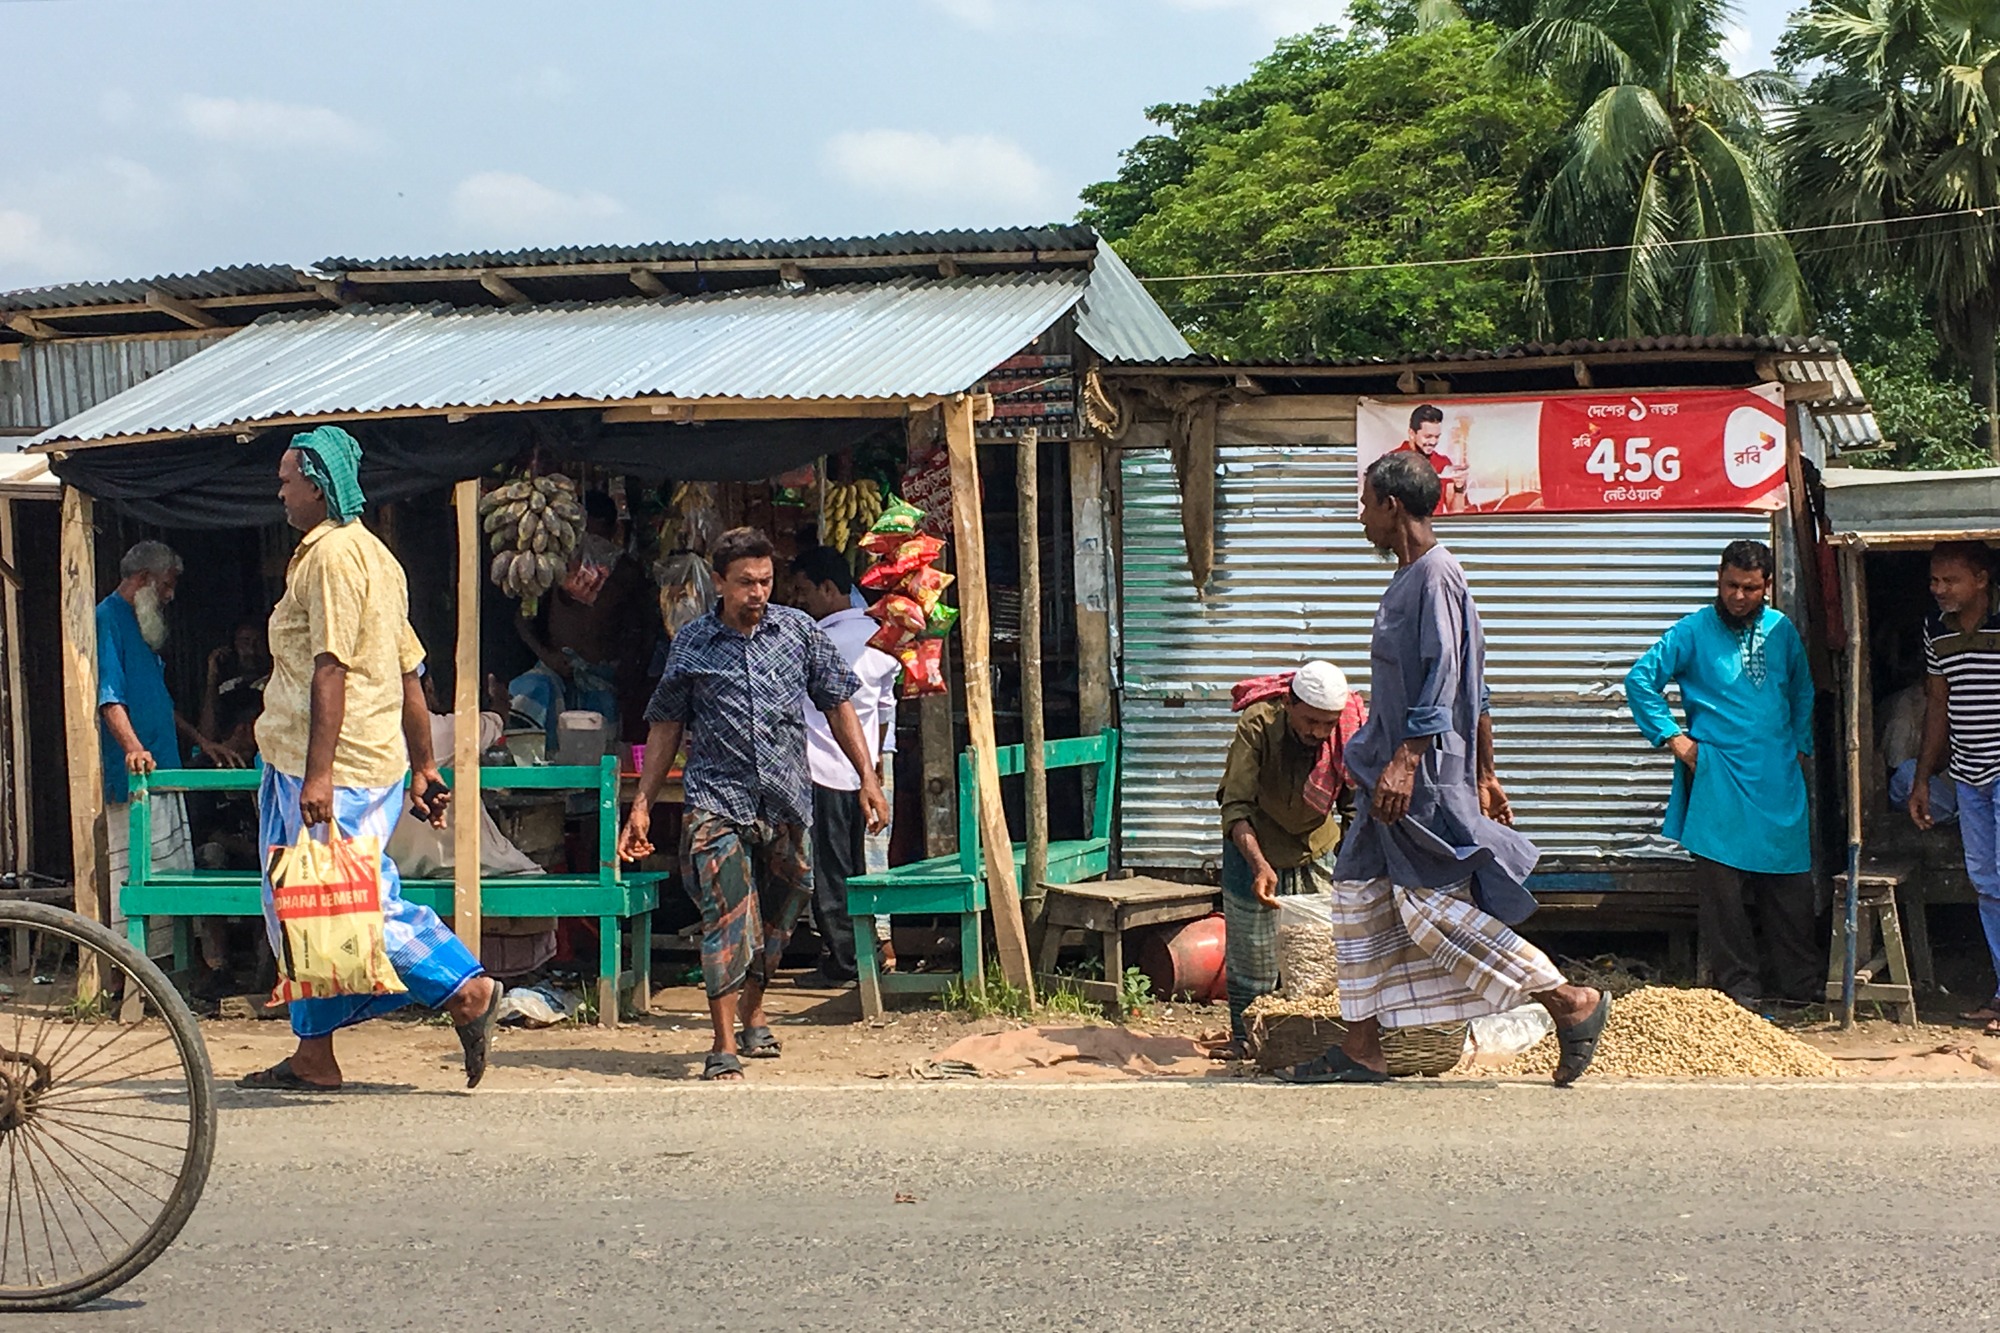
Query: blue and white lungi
point(428, 957)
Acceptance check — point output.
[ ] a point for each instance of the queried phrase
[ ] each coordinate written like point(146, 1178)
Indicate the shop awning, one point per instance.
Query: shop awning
point(1881, 508)
point(877, 343)
point(27, 477)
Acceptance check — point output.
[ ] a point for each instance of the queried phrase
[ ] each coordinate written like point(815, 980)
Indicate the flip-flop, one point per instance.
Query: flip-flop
point(1985, 1013)
point(1578, 1042)
point(759, 1043)
point(1228, 1050)
point(1336, 1066)
point(721, 1066)
point(280, 1077)
point(477, 1038)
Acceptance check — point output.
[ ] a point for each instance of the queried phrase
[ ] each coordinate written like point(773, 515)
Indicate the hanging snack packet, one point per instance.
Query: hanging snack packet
point(942, 620)
point(900, 517)
point(902, 620)
point(926, 586)
point(923, 668)
point(909, 555)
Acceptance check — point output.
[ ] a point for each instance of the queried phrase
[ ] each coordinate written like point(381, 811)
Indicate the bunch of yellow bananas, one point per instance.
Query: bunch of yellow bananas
point(851, 509)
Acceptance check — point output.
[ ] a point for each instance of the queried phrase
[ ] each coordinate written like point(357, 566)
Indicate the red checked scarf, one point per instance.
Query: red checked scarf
point(1329, 775)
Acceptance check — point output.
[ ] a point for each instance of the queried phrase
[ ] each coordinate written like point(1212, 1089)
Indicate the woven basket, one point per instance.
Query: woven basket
point(1279, 1041)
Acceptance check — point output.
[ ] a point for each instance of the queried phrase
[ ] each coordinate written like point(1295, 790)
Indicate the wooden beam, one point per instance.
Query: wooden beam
point(975, 638)
point(972, 260)
point(1092, 558)
point(982, 407)
point(466, 695)
point(1810, 391)
point(502, 288)
point(30, 327)
point(17, 692)
point(86, 761)
point(647, 281)
point(1581, 370)
point(184, 311)
point(1034, 728)
point(791, 274)
point(948, 267)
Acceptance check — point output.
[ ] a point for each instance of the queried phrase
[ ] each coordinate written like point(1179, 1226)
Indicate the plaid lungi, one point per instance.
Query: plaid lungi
point(1409, 956)
point(173, 849)
point(751, 884)
point(1250, 929)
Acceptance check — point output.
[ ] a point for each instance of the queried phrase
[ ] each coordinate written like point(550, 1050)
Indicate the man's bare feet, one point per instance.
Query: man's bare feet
point(1363, 1045)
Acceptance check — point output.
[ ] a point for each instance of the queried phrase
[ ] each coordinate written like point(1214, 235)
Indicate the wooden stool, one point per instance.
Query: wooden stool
point(1876, 912)
point(1108, 908)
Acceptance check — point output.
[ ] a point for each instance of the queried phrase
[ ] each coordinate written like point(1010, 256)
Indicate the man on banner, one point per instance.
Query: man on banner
point(1739, 798)
point(1431, 877)
point(1426, 431)
point(344, 721)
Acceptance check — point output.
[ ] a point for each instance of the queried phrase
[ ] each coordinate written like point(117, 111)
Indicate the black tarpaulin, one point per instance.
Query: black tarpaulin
point(216, 482)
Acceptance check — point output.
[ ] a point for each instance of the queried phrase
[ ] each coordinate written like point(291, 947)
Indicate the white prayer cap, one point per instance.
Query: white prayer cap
point(1321, 685)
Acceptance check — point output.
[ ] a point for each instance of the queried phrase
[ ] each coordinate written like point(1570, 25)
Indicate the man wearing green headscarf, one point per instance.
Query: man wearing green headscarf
point(344, 720)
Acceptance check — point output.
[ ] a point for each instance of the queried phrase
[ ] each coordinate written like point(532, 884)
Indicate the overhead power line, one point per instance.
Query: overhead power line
point(1563, 254)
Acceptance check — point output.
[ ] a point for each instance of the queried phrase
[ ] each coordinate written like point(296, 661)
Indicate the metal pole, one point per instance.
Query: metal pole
point(1034, 760)
point(1851, 599)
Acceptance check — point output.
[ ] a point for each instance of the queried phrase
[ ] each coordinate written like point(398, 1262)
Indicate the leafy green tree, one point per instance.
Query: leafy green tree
point(1412, 147)
point(1666, 152)
point(1901, 123)
point(1922, 396)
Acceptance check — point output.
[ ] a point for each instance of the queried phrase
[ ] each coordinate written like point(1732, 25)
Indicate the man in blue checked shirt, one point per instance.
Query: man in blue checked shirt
point(736, 685)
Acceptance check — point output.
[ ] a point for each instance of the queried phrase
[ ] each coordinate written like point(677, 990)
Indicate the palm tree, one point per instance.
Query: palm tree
point(1666, 155)
point(1902, 124)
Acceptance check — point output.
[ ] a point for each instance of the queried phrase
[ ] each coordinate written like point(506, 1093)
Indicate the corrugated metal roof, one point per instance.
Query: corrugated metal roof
point(903, 339)
point(237, 280)
point(1870, 504)
point(1528, 351)
point(993, 240)
point(1120, 319)
point(48, 382)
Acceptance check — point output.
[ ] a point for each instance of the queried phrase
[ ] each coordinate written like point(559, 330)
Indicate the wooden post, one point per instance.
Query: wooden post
point(86, 760)
point(1093, 598)
point(17, 731)
point(1851, 585)
point(465, 724)
point(1034, 761)
point(975, 637)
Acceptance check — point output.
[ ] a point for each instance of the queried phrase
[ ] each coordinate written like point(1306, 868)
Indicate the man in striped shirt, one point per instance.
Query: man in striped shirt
point(1962, 721)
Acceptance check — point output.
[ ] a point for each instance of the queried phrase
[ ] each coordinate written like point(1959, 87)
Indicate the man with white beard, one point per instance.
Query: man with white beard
point(139, 728)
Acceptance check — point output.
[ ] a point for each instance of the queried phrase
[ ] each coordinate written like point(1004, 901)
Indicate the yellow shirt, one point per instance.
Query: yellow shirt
point(345, 596)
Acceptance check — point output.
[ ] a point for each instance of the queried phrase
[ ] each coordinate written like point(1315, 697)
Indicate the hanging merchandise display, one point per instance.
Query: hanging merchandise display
point(535, 524)
point(693, 518)
point(913, 615)
point(687, 589)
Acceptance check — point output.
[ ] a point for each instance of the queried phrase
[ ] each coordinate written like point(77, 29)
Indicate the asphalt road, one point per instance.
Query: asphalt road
point(1240, 1207)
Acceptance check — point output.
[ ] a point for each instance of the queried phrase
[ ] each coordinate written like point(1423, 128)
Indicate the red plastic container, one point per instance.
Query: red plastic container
point(1187, 959)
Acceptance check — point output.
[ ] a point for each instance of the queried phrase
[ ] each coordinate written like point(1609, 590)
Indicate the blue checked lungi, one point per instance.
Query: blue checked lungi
point(427, 956)
point(1250, 929)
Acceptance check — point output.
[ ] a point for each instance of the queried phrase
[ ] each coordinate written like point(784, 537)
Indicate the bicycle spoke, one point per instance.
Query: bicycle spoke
point(50, 1213)
point(14, 1211)
point(91, 1063)
point(79, 1194)
point(92, 1167)
point(89, 1108)
point(88, 1137)
point(62, 1091)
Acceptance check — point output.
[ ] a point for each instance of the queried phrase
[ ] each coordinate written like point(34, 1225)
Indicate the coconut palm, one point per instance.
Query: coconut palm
point(1901, 124)
point(1667, 152)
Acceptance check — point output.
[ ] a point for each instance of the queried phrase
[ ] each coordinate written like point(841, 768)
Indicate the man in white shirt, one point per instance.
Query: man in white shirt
point(822, 587)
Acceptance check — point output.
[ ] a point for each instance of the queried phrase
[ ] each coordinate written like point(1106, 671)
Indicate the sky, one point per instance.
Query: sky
point(168, 136)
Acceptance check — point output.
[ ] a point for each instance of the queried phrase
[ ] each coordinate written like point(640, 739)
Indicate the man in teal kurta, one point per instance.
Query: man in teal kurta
point(1739, 797)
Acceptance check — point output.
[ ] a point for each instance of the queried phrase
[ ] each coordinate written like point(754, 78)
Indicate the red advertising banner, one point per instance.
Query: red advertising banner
point(1698, 449)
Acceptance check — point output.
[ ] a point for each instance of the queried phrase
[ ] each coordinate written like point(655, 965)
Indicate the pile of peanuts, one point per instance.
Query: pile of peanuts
point(1663, 1032)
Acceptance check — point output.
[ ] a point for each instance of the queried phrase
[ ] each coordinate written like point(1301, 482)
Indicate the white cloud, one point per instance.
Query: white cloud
point(262, 124)
point(974, 168)
point(1737, 47)
point(1280, 18)
point(507, 207)
point(30, 252)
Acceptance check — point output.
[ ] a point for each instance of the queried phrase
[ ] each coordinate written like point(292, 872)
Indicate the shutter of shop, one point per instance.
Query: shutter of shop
point(1569, 602)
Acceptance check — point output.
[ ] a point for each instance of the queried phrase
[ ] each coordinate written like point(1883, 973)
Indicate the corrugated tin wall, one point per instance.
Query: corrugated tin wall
point(1568, 601)
point(54, 381)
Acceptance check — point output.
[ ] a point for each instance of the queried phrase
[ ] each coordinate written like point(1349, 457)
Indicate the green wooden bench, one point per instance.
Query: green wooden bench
point(956, 885)
point(621, 900)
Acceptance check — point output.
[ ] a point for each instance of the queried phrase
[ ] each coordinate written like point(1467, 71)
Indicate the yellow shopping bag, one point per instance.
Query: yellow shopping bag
point(329, 903)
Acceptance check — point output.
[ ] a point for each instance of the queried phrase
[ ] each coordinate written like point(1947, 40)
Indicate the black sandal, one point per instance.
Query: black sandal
point(281, 1077)
point(1578, 1042)
point(721, 1066)
point(1336, 1066)
point(477, 1038)
point(759, 1043)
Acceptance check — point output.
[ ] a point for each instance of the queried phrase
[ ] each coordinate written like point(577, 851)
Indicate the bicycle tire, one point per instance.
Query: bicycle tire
point(192, 1174)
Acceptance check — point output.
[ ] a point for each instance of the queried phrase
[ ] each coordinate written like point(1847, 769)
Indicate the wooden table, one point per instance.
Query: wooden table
point(1108, 908)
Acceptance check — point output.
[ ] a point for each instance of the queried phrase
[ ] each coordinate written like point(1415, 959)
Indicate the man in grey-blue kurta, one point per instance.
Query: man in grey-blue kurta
point(1422, 915)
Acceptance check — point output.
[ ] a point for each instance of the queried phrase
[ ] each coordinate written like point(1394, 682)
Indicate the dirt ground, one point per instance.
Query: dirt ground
point(827, 1043)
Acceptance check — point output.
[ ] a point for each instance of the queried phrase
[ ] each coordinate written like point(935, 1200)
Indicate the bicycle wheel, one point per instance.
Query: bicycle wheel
point(106, 1125)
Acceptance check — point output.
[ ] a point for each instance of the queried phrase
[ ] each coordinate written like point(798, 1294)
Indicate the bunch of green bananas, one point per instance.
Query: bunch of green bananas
point(851, 509)
point(535, 524)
